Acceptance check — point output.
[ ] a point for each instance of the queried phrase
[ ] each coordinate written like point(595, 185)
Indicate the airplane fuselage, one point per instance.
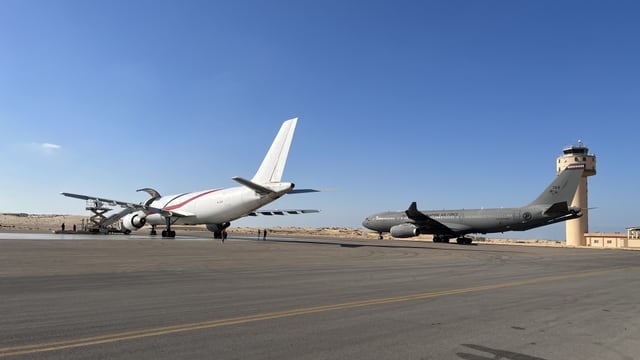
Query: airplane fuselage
point(216, 206)
point(551, 206)
point(470, 221)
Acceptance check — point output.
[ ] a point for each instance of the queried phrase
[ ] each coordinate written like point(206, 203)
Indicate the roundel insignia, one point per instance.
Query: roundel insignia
point(526, 216)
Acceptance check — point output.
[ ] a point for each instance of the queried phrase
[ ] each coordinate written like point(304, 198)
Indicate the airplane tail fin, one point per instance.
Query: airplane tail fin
point(272, 166)
point(563, 188)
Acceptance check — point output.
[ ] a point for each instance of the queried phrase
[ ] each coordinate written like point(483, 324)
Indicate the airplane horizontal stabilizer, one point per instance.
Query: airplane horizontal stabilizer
point(557, 209)
point(303, 191)
point(283, 212)
point(255, 187)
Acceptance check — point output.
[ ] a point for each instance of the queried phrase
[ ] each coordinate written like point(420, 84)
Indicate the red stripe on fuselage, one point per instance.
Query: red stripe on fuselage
point(176, 206)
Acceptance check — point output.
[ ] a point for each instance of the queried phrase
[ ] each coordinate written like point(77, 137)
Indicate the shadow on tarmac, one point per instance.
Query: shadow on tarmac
point(494, 354)
point(449, 247)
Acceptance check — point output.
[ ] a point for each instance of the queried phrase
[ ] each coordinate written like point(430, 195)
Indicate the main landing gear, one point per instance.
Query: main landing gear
point(218, 229)
point(464, 241)
point(168, 233)
point(444, 239)
point(440, 239)
point(165, 233)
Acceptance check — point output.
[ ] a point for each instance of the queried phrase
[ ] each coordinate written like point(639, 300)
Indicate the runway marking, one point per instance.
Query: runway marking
point(143, 333)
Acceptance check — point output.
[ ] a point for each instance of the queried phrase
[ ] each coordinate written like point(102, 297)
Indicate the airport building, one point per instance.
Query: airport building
point(578, 154)
point(577, 230)
point(603, 240)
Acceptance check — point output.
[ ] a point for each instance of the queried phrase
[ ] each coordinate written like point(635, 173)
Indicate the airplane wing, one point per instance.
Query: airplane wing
point(282, 212)
point(132, 206)
point(104, 200)
point(426, 223)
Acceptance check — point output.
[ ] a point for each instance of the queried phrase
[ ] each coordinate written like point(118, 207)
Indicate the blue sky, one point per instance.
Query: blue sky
point(453, 104)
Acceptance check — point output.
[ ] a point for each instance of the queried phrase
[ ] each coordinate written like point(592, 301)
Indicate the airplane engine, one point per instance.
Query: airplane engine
point(404, 231)
point(134, 221)
point(216, 229)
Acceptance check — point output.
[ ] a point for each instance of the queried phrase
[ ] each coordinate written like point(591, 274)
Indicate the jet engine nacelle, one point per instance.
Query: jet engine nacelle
point(404, 231)
point(217, 227)
point(134, 221)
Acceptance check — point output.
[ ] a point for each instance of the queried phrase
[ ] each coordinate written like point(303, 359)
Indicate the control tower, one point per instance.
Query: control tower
point(578, 154)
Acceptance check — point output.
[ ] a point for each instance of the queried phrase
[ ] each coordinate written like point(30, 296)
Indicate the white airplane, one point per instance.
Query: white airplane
point(217, 207)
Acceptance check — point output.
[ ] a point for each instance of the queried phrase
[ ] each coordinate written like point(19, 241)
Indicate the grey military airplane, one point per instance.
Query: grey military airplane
point(550, 207)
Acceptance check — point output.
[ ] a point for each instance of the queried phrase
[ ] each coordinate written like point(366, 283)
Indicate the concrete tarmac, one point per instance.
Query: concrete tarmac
point(138, 297)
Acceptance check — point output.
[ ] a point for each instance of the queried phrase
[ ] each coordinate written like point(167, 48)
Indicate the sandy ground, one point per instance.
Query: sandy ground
point(39, 223)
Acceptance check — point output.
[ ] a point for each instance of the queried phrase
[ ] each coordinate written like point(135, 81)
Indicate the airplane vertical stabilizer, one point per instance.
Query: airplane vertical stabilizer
point(563, 188)
point(272, 166)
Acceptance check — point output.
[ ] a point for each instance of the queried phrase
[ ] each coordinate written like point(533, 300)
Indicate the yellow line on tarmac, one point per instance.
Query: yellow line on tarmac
point(143, 333)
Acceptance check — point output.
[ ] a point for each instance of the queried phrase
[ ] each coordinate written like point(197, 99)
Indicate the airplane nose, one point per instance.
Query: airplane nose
point(365, 223)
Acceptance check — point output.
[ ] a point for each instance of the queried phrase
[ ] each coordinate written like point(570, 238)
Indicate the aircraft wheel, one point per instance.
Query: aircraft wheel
point(380, 237)
point(464, 241)
point(164, 233)
point(172, 234)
